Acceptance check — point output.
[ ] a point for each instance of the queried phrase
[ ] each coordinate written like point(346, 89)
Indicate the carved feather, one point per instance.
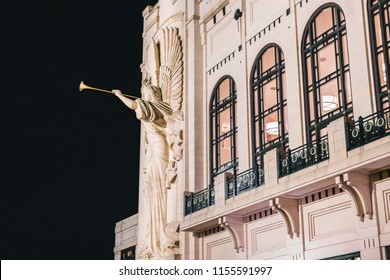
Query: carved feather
point(171, 69)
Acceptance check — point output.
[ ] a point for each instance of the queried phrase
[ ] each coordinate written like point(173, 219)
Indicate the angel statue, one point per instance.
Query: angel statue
point(159, 109)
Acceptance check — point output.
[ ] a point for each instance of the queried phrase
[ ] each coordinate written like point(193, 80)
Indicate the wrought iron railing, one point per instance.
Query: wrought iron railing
point(199, 200)
point(244, 181)
point(368, 129)
point(303, 156)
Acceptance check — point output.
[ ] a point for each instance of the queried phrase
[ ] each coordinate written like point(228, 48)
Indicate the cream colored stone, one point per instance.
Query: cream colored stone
point(312, 218)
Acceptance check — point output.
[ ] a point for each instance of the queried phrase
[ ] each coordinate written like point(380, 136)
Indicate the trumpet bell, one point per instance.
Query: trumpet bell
point(82, 86)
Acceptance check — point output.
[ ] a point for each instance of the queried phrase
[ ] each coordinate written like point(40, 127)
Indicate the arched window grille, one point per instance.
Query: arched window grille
point(326, 72)
point(223, 128)
point(379, 13)
point(269, 102)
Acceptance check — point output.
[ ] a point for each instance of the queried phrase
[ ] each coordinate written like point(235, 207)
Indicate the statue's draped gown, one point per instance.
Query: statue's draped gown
point(153, 114)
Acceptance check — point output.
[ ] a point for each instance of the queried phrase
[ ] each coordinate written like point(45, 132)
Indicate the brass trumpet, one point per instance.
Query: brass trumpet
point(84, 86)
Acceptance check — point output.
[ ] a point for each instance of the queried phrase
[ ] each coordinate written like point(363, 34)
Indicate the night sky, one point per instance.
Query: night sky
point(69, 159)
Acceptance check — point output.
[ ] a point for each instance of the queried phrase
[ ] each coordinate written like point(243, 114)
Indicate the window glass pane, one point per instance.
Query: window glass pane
point(225, 149)
point(381, 70)
point(256, 102)
point(327, 60)
point(313, 136)
point(225, 122)
point(271, 127)
point(387, 20)
point(255, 75)
point(311, 106)
point(385, 103)
point(268, 59)
point(341, 17)
point(345, 50)
point(284, 88)
point(214, 157)
point(257, 133)
point(329, 97)
point(307, 39)
point(285, 120)
point(348, 92)
point(324, 21)
point(236, 149)
point(308, 71)
point(224, 90)
point(269, 94)
point(378, 33)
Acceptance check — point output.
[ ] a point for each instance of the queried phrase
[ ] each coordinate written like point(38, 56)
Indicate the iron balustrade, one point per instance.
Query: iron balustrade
point(199, 200)
point(368, 129)
point(303, 156)
point(244, 181)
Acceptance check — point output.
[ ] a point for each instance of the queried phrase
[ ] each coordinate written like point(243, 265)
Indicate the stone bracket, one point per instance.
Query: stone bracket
point(235, 226)
point(288, 208)
point(358, 187)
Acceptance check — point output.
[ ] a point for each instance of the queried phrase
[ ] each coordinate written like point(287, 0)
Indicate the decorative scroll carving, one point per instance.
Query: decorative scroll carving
point(288, 208)
point(235, 226)
point(358, 187)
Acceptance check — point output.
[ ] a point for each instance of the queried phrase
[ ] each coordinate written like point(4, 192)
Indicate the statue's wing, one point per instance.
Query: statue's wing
point(153, 63)
point(171, 69)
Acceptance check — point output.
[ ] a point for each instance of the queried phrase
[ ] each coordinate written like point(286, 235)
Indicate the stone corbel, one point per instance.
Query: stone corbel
point(235, 226)
point(358, 187)
point(288, 208)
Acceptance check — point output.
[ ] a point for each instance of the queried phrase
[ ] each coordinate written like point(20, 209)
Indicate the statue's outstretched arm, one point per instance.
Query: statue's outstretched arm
point(128, 102)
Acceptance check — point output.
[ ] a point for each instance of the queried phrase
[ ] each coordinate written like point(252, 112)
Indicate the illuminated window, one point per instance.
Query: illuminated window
point(269, 102)
point(128, 254)
point(387, 250)
point(379, 12)
point(223, 128)
point(351, 257)
point(326, 71)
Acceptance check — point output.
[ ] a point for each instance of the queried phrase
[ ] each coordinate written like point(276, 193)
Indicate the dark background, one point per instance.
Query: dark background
point(69, 159)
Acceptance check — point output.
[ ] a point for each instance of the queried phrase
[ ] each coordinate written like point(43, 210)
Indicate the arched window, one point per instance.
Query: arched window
point(269, 102)
point(379, 12)
point(223, 128)
point(325, 71)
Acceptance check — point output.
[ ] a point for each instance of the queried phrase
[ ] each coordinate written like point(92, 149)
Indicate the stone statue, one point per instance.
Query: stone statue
point(159, 109)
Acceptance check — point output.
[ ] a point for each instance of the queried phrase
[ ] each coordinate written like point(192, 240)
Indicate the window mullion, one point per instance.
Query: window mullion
point(386, 59)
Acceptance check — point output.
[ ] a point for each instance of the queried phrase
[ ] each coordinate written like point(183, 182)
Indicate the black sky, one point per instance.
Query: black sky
point(69, 159)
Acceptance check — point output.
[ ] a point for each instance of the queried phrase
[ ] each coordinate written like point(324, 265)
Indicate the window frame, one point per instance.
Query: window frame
point(310, 51)
point(215, 107)
point(257, 79)
point(380, 95)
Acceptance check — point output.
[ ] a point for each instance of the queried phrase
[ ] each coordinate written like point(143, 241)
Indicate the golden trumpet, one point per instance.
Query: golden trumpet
point(84, 86)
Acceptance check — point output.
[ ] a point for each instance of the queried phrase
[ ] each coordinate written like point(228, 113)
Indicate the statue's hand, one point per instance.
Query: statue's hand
point(117, 92)
point(129, 103)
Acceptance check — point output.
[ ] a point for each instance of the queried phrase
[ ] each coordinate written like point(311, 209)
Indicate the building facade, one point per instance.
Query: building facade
point(285, 129)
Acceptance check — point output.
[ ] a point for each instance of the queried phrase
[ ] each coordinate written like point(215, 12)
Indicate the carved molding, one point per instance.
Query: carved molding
point(359, 188)
point(288, 208)
point(235, 226)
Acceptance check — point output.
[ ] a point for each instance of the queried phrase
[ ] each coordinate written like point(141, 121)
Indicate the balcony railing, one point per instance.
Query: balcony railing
point(304, 156)
point(199, 200)
point(244, 181)
point(368, 129)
